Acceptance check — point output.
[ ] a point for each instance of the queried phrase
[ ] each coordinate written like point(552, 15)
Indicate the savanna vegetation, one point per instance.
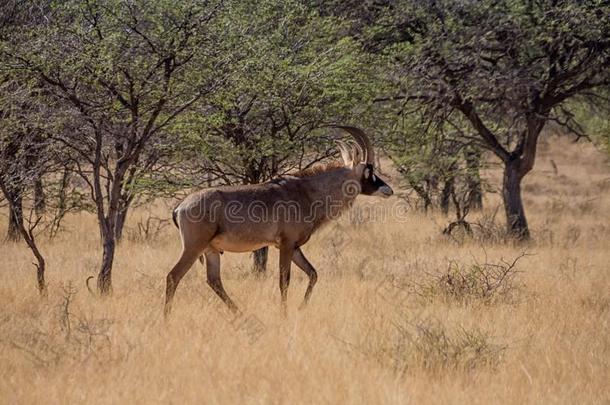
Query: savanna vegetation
point(484, 279)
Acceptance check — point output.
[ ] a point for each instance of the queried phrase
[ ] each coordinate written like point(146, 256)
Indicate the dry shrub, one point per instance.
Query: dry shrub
point(58, 335)
point(438, 349)
point(486, 229)
point(429, 345)
point(147, 230)
point(487, 282)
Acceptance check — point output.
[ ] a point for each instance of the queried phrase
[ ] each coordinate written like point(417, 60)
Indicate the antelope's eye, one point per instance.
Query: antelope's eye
point(374, 178)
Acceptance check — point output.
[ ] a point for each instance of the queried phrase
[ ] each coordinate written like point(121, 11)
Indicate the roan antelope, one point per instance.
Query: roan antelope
point(283, 212)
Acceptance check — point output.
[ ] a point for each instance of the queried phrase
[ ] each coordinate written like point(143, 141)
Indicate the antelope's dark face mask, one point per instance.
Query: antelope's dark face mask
point(372, 185)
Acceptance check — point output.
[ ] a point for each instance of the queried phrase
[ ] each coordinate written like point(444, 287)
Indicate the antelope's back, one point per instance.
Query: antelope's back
point(280, 200)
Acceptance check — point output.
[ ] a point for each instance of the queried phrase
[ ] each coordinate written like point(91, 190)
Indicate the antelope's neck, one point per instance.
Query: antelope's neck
point(331, 193)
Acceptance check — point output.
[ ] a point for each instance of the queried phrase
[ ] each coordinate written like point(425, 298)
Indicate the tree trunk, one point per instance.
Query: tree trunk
point(445, 198)
point(28, 235)
point(473, 178)
point(15, 222)
point(40, 265)
point(40, 269)
point(62, 204)
point(423, 194)
point(104, 279)
point(39, 197)
point(121, 218)
point(516, 222)
point(108, 222)
point(259, 265)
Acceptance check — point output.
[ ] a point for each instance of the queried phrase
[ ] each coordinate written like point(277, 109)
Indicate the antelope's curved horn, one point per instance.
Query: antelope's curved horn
point(362, 139)
point(346, 155)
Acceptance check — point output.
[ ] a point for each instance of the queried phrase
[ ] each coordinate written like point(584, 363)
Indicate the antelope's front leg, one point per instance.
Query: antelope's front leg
point(286, 252)
point(301, 261)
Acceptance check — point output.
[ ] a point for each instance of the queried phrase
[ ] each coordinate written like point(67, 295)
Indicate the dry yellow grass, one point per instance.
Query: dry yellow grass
point(382, 326)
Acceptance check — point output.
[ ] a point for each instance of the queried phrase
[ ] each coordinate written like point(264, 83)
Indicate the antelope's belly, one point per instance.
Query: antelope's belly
point(229, 243)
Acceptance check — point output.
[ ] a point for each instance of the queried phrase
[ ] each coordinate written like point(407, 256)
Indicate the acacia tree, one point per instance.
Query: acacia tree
point(26, 155)
point(17, 171)
point(26, 149)
point(120, 73)
point(15, 104)
point(505, 69)
point(429, 156)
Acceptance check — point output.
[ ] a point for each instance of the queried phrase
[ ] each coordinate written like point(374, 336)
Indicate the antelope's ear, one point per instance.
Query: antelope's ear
point(345, 153)
point(356, 154)
point(367, 173)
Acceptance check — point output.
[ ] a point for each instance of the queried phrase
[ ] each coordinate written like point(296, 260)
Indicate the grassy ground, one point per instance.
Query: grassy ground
point(400, 314)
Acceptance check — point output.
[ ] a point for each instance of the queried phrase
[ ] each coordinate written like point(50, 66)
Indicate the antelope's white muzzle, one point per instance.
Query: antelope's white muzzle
point(384, 191)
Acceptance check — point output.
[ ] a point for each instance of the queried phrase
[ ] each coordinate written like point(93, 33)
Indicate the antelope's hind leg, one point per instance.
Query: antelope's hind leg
point(301, 261)
point(195, 238)
point(286, 252)
point(212, 264)
point(184, 264)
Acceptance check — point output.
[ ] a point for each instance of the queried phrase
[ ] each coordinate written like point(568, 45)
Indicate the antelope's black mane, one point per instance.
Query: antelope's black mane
point(318, 169)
